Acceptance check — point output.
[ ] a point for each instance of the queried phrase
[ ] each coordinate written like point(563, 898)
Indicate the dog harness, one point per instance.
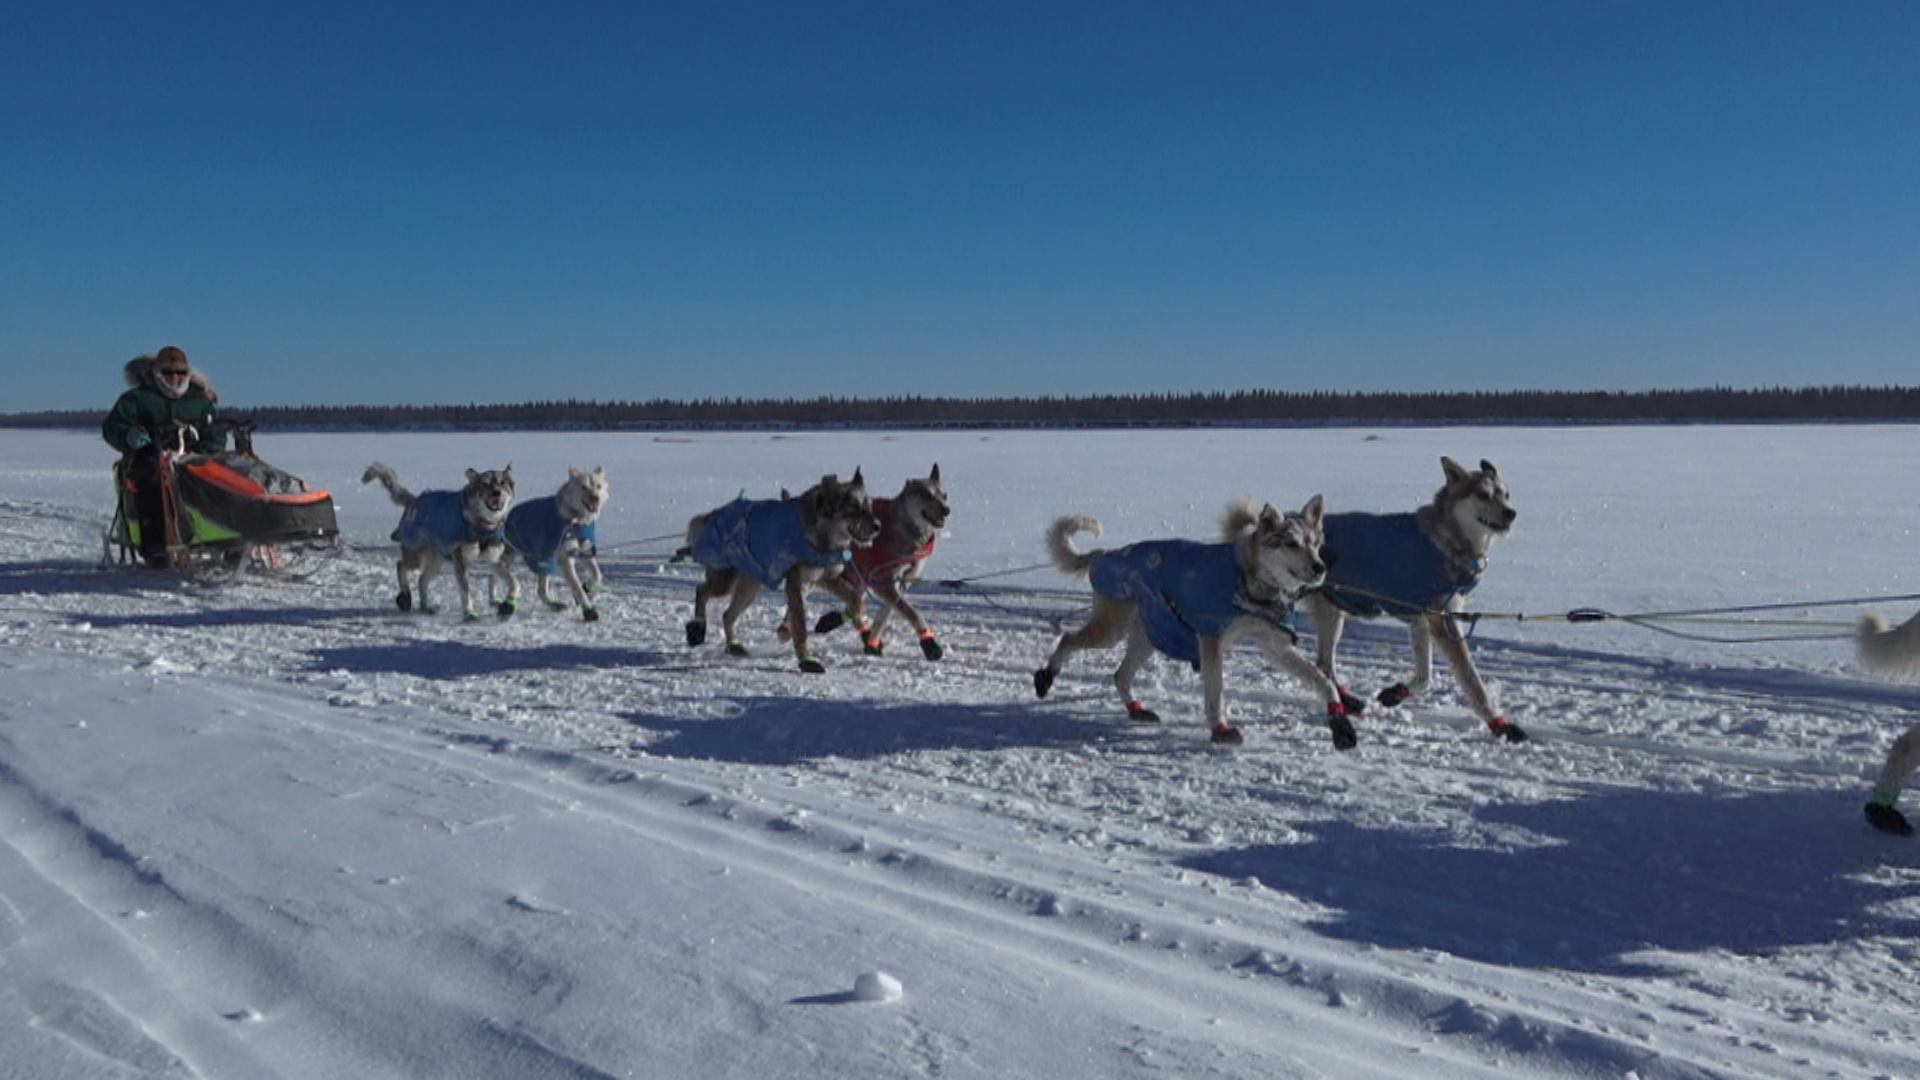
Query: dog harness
point(439, 519)
point(1385, 564)
point(762, 537)
point(1185, 590)
point(538, 532)
point(880, 561)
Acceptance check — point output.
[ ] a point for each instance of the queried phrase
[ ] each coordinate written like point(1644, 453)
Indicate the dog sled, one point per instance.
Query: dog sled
point(225, 514)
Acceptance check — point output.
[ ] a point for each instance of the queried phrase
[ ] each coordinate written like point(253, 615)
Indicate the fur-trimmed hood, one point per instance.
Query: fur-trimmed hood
point(139, 372)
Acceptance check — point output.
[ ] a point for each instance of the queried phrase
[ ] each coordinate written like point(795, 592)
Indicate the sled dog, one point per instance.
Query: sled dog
point(1417, 567)
point(791, 543)
point(910, 523)
point(1893, 652)
point(554, 534)
point(464, 525)
point(1190, 600)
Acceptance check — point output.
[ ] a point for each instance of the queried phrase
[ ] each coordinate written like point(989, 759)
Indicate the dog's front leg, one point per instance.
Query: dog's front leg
point(1213, 679)
point(503, 573)
point(896, 599)
point(462, 566)
point(1283, 654)
point(797, 584)
point(588, 611)
point(1455, 644)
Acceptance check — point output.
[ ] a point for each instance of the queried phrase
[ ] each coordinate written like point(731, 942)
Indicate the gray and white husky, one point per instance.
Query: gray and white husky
point(791, 543)
point(464, 525)
point(910, 525)
point(1893, 652)
point(1191, 600)
point(1418, 568)
point(555, 534)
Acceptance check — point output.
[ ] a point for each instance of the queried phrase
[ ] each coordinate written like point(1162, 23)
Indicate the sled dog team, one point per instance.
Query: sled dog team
point(1188, 600)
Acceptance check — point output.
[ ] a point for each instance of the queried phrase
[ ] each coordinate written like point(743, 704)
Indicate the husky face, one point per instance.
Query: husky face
point(838, 515)
point(923, 506)
point(1477, 503)
point(582, 496)
point(1287, 548)
point(488, 495)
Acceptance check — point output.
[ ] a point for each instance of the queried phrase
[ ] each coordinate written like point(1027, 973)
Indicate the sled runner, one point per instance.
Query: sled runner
point(226, 513)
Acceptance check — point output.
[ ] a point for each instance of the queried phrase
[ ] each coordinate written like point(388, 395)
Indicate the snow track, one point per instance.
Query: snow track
point(272, 829)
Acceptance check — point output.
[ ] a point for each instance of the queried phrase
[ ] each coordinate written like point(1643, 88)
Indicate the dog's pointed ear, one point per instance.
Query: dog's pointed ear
point(1314, 511)
point(934, 476)
point(574, 471)
point(1487, 467)
point(1270, 516)
point(1455, 472)
point(472, 475)
point(857, 480)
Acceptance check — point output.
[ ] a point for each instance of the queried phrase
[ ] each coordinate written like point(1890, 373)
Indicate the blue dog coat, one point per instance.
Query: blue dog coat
point(536, 530)
point(1184, 590)
point(762, 537)
point(438, 519)
point(1383, 564)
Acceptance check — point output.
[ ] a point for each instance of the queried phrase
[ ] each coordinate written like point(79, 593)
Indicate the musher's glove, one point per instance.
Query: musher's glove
point(138, 439)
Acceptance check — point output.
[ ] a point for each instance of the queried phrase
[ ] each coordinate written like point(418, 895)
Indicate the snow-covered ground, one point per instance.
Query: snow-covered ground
point(278, 829)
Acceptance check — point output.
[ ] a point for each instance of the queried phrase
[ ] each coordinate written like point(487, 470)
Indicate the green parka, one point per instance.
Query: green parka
point(146, 407)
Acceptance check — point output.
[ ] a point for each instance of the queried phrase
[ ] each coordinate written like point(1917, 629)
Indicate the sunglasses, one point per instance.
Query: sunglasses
point(173, 373)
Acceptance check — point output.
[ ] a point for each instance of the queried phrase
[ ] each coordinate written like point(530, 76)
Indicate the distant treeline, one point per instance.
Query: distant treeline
point(1238, 408)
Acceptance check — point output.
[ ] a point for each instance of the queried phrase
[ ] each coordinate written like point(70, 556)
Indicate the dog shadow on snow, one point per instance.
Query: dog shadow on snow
point(1607, 877)
point(789, 730)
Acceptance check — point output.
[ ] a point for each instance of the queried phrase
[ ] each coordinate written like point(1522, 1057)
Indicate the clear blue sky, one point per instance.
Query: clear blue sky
point(343, 202)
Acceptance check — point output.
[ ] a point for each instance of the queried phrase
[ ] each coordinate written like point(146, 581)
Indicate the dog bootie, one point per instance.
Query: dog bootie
point(404, 601)
point(736, 647)
point(506, 608)
point(590, 613)
point(1888, 820)
point(930, 648)
point(1503, 730)
point(1140, 714)
point(1393, 695)
point(812, 666)
point(1043, 681)
point(1226, 735)
point(1351, 705)
point(696, 631)
point(828, 623)
point(1344, 737)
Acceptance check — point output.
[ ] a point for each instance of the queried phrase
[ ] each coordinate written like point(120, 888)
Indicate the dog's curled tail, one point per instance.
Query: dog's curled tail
point(1242, 516)
point(1068, 558)
point(1894, 651)
point(391, 481)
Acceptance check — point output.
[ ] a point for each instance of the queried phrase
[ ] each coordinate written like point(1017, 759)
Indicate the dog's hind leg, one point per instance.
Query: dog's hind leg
point(429, 563)
point(716, 583)
point(1139, 651)
point(1103, 628)
point(1454, 642)
point(404, 598)
point(745, 589)
point(503, 575)
point(1902, 760)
